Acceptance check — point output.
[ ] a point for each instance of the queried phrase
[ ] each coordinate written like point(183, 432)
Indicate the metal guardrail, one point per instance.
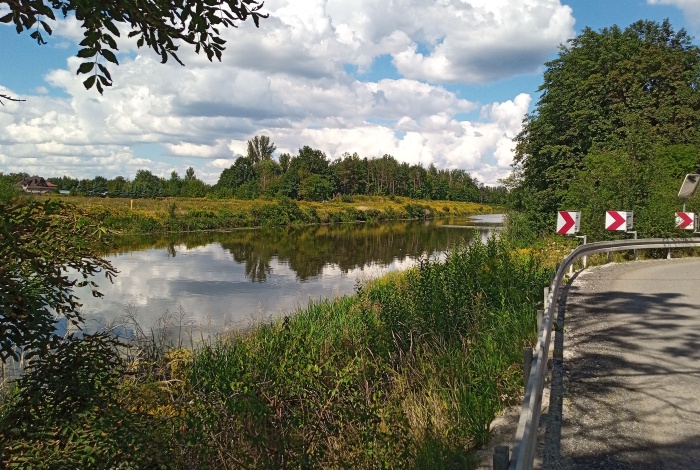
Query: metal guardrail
point(525, 442)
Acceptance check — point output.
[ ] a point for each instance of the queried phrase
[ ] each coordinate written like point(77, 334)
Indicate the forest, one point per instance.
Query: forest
point(310, 175)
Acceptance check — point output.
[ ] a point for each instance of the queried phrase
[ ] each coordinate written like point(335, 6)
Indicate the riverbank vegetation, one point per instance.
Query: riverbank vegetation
point(193, 214)
point(407, 373)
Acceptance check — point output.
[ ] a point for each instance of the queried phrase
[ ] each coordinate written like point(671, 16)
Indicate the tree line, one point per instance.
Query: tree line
point(310, 175)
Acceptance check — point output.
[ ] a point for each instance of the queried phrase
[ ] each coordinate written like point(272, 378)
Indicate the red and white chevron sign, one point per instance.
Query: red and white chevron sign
point(568, 222)
point(618, 220)
point(685, 221)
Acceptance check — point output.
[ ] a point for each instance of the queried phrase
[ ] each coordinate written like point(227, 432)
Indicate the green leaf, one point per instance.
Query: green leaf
point(85, 67)
point(110, 41)
point(109, 55)
point(87, 52)
point(47, 28)
point(6, 18)
point(110, 26)
point(90, 81)
point(104, 71)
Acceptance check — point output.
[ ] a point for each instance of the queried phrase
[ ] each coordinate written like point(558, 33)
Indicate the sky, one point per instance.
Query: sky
point(445, 83)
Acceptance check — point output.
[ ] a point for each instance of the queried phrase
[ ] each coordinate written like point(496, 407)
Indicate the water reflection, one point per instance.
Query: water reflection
point(224, 277)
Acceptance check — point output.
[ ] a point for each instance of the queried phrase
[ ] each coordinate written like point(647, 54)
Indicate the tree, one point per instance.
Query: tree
point(159, 24)
point(241, 172)
point(610, 91)
point(260, 149)
point(315, 188)
point(308, 162)
point(285, 159)
point(173, 185)
point(46, 250)
point(189, 174)
point(146, 184)
point(193, 186)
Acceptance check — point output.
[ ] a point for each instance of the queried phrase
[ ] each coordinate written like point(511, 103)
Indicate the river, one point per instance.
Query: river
point(212, 281)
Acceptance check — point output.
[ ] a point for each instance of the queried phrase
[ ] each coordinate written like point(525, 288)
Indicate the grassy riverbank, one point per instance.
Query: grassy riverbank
point(188, 214)
point(407, 373)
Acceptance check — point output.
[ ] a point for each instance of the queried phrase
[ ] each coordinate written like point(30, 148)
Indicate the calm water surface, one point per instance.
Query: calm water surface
point(219, 279)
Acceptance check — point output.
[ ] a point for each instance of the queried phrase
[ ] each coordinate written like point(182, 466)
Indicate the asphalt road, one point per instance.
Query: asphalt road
point(625, 384)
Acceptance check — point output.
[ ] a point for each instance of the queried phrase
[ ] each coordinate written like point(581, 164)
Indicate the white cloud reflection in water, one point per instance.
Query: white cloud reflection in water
point(215, 291)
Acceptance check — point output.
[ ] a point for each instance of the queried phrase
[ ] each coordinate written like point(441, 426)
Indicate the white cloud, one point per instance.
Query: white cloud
point(690, 8)
point(288, 80)
point(186, 149)
point(222, 163)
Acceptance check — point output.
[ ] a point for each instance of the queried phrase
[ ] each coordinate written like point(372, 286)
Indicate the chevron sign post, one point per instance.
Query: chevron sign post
point(568, 222)
point(618, 220)
point(685, 221)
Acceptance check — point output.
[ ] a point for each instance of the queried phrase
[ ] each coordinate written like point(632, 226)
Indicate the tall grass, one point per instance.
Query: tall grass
point(407, 373)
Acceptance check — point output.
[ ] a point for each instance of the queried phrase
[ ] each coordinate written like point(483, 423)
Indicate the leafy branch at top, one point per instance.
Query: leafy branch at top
point(158, 24)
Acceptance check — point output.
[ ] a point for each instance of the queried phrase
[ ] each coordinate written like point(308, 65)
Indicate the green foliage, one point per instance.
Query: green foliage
point(159, 25)
point(520, 229)
point(315, 188)
point(308, 175)
point(613, 101)
point(39, 241)
point(8, 192)
point(417, 211)
point(647, 185)
point(408, 373)
point(66, 409)
point(285, 212)
point(260, 148)
point(67, 413)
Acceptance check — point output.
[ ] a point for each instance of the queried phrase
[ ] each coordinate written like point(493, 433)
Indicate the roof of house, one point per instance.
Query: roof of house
point(35, 182)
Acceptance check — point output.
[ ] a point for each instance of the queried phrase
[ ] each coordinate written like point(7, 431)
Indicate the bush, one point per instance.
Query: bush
point(67, 413)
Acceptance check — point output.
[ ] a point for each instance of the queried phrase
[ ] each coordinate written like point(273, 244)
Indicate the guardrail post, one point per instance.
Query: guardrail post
point(501, 458)
point(546, 297)
point(540, 316)
point(527, 363)
point(668, 255)
point(585, 240)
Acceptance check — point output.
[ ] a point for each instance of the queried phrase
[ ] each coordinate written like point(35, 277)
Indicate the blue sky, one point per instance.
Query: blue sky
point(425, 84)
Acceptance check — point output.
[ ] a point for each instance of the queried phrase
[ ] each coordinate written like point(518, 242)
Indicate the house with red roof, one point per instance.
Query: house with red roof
point(36, 185)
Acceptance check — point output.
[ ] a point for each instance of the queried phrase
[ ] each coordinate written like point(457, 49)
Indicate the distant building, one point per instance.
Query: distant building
point(36, 185)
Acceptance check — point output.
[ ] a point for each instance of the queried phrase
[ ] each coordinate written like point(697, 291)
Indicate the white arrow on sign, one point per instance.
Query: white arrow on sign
point(568, 222)
point(685, 221)
point(618, 220)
